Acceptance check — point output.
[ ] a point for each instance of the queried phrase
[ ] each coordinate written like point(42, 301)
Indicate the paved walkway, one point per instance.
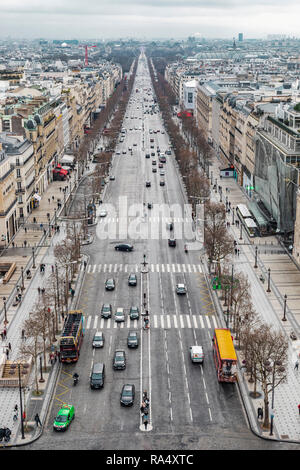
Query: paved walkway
point(284, 279)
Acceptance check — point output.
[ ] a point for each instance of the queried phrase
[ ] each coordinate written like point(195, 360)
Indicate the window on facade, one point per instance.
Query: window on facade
point(18, 173)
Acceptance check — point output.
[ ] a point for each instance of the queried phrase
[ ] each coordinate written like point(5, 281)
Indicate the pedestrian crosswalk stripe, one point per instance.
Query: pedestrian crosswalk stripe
point(201, 322)
point(184, 268)
point(157, 321)
point(162, 268)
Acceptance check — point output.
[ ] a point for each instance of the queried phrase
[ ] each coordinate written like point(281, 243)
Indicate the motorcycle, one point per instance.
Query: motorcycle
point(185, 248)
point(75, 380)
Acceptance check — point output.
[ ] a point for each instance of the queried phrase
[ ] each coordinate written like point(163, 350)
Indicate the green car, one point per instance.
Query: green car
point(64, 417)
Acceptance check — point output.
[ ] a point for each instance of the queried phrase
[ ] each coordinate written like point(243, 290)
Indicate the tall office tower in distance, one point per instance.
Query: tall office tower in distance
point(241, 37)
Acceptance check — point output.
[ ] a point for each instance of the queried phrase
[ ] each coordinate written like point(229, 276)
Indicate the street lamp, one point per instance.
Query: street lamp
point(269, 275)
point(41, 370)
point(241, 231)
point(5, 311)
point(21, 403)
point(284, 308)
point(33, 258)
point(255, 264)
point(22, 274)
point(232, 216)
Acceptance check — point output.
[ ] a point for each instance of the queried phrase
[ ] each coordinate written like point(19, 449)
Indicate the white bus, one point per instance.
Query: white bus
point(243, 212)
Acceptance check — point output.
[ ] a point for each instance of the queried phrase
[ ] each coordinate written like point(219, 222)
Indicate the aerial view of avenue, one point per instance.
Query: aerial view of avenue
point(149, 228)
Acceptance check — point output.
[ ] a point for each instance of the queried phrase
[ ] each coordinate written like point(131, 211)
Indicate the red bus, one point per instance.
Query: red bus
point(224, 355)
point(71, 336)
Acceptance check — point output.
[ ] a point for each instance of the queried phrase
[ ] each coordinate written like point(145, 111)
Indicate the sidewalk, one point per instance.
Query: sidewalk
point(16, 315)
point(284, 279)
point(31, 236)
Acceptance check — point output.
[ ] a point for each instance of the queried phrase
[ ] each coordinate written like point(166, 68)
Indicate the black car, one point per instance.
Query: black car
point(109, 284)
point(106, 311)
point(147, 155)
point(149, 205)
point(132, 339)
point(124, 247)
point(161, 183)
point(127, 395)
point(172, 242)
point(119, 360)
point(132, 280)
point(148, 184)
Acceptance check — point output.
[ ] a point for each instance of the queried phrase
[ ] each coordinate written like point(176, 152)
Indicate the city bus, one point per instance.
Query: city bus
point(243, 212)
point(224, 355)
point(250, 227)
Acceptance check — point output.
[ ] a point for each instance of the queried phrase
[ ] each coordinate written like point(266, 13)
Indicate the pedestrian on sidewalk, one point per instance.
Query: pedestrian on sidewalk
point(238, 252)
point(296, 365)
point(43, 291)
point(260, 413)
point(52, 267)
point(49, 200)
point(52, 198)
point(34, 220)
point(60, 189)
point(84, 263)
point(7, 353)
point(23, 335)
point(1, 334)
point(9, 346)
point(299, 409)
point(37, 420)
point(25, 229)
point(72, 293)
point(39, 290)
point(5, 333)
point(25, 243)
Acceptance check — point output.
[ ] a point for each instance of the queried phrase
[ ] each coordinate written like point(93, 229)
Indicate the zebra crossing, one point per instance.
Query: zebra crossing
point(154, 268)
point(156, 321)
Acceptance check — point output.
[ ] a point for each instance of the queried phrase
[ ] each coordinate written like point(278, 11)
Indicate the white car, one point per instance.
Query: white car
point(112, 178)
point(103, 214)
point(119, 315)
point(180, 289)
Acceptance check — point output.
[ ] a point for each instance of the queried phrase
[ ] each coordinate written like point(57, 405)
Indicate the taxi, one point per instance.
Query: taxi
point(65, 415)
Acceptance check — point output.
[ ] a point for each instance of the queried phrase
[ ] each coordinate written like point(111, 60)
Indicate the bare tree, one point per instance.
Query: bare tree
point(268, 351)
point(218, 243)
point(33, 345)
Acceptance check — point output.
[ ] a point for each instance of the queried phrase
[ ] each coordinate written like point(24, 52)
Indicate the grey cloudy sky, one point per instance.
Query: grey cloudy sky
point(67, 19)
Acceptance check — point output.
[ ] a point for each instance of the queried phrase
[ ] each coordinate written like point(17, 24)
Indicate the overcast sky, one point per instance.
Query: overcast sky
point(68, 19)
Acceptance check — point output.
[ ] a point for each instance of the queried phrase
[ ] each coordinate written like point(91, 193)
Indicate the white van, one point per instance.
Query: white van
point(197, 354)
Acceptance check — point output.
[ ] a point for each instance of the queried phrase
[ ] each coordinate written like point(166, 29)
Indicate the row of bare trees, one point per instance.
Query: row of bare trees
point(263, 349)
point(46, 317)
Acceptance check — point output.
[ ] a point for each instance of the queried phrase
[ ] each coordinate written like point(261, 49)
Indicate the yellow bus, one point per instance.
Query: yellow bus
point(224, 355)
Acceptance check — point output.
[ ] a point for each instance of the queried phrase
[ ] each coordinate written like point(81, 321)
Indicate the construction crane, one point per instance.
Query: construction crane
point(86, 63)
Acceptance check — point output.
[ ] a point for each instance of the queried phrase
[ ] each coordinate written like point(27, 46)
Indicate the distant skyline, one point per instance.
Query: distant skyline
point(68, 19)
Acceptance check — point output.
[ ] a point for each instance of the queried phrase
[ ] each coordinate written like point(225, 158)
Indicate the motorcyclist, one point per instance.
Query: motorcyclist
point(75, 376)
point(185, 248)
